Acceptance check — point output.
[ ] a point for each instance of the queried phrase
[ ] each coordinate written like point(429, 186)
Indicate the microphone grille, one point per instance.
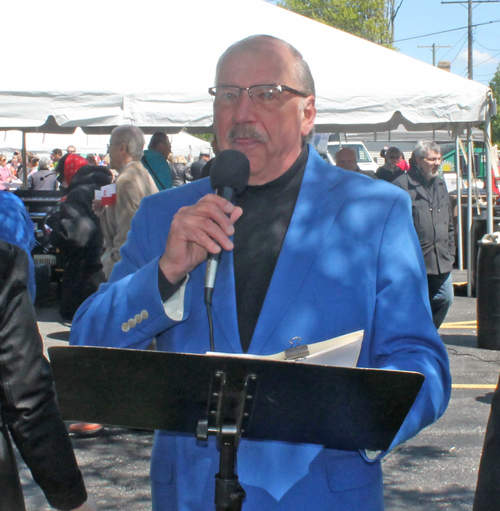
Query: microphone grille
point(230, 168)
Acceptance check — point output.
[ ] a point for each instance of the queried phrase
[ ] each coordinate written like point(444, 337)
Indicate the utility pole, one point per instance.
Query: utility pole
point(433, 46)
point(469, 31)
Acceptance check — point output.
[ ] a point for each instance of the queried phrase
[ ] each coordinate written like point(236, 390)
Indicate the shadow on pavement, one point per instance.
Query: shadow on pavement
point(410, 460)
point(466, 341)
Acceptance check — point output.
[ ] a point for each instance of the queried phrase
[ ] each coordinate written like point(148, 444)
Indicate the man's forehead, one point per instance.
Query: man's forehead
point(267, 57)
point(433, 152)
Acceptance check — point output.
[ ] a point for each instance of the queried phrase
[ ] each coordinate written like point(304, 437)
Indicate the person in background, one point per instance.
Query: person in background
point(390, 170)
point(487, 497)
point(13, 165)
point(33, 165)
point(17, 228)
point(5, 173)
point(29, 415)
point(179, 171)
point(56, 155)
point(93, 159)
point(155, 159)
point(403, 164)
point(310, 250)
point(196, 169)
point(133, 183)
point(433, 222)
point(71, 149)
point(74, 229)
point(44, 178)
point(345, 158)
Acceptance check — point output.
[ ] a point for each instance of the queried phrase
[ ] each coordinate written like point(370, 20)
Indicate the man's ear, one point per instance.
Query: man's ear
point(309, 115)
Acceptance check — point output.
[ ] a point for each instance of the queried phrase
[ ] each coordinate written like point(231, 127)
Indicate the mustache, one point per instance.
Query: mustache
point(245, 131)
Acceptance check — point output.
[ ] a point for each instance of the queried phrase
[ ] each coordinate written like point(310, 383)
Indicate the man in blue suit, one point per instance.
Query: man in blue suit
point(318, 252)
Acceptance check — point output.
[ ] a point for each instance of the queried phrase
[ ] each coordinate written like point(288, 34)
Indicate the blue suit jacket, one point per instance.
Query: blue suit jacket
point(350, 260)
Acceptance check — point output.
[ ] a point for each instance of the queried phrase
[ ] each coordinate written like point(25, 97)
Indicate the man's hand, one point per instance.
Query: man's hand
point(195, 231)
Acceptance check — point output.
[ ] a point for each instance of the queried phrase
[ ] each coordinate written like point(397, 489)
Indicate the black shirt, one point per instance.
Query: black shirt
point(259, 235)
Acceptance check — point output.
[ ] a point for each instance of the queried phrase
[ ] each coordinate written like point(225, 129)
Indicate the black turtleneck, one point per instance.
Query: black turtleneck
point(258, 237)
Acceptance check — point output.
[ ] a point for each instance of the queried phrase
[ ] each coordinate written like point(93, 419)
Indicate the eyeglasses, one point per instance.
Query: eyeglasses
point(264, 95)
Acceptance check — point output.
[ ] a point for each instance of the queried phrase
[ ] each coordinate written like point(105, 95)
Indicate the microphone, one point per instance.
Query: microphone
point(229, 176)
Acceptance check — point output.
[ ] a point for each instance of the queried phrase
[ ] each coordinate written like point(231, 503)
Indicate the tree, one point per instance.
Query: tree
point(495, 120)
point(365, 18)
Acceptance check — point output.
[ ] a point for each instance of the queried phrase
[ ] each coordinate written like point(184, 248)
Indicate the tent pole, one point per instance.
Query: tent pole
point(470, 162)
point(460, 245)
point(25, 163)
point(489, 189)
point(492, 111)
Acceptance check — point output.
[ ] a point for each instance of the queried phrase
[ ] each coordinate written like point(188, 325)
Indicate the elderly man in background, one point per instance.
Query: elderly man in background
point(44, 178)
point(307, 261)
point(433, 222)
point(155, 159)
point(132, 185)
point(346, 159)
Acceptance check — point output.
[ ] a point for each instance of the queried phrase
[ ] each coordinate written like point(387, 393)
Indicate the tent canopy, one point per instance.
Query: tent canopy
point(109, 64)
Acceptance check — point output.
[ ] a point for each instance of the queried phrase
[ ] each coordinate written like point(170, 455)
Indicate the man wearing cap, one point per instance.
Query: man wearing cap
point(302, 258)
point(197, 166)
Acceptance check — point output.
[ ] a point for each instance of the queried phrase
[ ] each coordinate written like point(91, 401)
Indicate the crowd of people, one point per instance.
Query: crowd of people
point(43, 174)
point(134, 274)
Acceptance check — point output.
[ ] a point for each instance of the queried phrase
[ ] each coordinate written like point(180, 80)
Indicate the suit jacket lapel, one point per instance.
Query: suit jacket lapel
point(312, 218)
point(224, 302)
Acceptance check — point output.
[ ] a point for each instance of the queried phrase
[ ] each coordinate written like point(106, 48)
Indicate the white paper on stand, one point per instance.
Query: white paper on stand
point(342, 351)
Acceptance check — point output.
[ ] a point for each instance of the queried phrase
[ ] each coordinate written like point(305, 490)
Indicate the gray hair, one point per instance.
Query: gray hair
point(301, 68)
point(44, 164)
point(424, 146)
point(132, 136)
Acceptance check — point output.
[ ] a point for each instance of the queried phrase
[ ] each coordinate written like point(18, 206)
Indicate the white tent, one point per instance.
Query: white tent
point(42, 144)
point(150, 64)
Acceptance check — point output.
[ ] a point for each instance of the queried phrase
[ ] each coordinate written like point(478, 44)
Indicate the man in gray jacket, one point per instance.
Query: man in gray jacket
point(433, 222)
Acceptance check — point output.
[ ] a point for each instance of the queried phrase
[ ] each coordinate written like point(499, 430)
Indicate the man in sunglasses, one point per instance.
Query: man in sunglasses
point(318, 252)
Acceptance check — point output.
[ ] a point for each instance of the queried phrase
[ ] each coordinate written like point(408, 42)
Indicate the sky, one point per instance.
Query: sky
point(431, 18)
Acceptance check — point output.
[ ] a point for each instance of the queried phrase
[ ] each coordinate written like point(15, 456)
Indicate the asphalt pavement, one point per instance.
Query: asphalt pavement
point(436, 470)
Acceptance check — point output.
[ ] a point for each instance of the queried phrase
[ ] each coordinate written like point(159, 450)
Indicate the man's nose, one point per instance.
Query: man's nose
point(244, 108)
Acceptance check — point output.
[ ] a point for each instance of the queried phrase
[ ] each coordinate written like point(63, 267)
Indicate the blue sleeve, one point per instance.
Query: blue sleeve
point(128, 311)
point(403, 335)
point(17, 228)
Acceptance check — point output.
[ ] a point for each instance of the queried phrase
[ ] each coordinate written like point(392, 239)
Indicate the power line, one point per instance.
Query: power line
point(445, 31)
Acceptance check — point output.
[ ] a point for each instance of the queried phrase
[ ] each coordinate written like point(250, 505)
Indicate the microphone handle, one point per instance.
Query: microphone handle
point(213, 259)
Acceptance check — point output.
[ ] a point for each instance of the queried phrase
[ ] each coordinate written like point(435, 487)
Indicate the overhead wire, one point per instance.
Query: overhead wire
point(446, 31)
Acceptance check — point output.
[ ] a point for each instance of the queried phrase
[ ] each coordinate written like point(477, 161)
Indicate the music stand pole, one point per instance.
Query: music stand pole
point(229, 493)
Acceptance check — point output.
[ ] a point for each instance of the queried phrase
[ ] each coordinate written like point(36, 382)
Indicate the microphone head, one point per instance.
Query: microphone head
point(230, 169)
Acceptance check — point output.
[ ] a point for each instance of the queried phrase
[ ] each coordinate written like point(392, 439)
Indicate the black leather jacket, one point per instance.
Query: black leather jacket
point(28, 409)
point(432, 218)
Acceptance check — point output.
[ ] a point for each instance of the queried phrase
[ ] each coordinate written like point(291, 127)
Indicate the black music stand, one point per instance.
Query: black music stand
point(233, 397)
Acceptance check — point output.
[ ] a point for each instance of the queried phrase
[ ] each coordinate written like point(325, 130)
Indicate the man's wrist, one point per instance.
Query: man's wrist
point(165, 287)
